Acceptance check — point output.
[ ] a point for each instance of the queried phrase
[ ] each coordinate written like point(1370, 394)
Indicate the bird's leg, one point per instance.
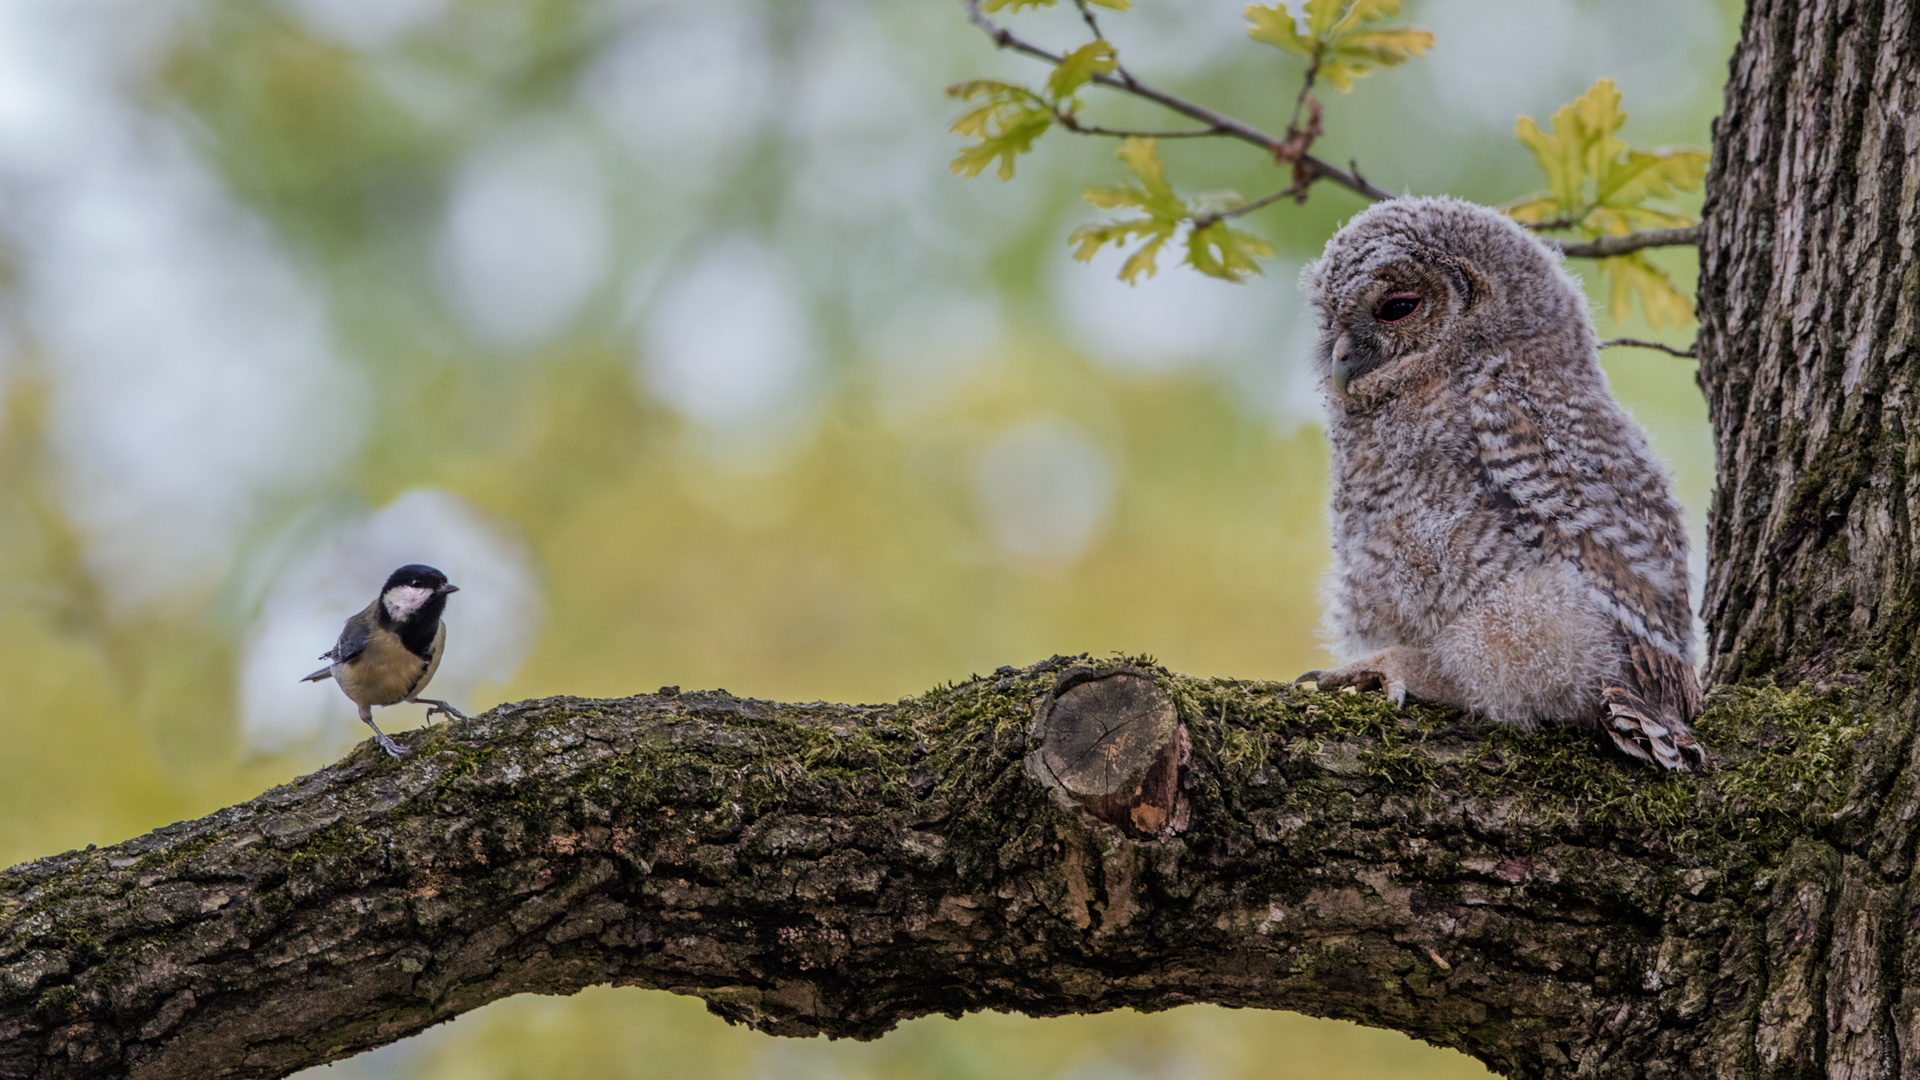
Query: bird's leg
point(1398, 672)
point(440, 707)
point(1359, 677)
point(387, 744)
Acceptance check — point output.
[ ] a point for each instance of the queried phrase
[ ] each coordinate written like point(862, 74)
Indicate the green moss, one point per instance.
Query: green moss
point(1788, 753)
point(58, 1005)
point(467, 762)
point(1779, 758)
point(336, 844)
point(174, 855)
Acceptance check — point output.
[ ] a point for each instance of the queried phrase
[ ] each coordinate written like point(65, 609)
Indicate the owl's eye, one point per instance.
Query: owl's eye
point(1397, 307)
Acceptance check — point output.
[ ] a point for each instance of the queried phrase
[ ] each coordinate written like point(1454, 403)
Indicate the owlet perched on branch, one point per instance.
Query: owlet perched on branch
point(1503, 539)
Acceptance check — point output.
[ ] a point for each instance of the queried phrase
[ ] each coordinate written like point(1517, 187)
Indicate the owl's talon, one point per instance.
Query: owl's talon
point(1397, 693)
point(1311, 676)
point(1362, 680)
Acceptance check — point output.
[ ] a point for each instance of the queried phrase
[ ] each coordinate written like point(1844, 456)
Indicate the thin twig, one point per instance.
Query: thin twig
point(1226, 126)
point(1205, 220)
point(1608, 246)
point(1548, 226)
point(1092, 23)
point(1300, 99)
point(1685, 354)
point(1308, 168)
point(1073, 124)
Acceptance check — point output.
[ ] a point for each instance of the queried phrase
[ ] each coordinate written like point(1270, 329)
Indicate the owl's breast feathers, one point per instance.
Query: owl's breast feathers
point(1579, 483)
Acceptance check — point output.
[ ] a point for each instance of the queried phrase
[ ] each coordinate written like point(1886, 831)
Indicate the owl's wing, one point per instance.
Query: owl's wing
point(1563, 487)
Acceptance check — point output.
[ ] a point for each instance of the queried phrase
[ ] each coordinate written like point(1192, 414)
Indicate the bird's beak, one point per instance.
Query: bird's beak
point(1342, 370)
point(445, 589)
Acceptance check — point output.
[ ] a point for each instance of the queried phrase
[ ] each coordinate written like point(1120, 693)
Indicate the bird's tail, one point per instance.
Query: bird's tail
point(1654, 736)
point(323, 673)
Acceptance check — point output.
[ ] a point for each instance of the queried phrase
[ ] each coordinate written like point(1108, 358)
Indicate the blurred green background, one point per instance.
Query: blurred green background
point(663, 328)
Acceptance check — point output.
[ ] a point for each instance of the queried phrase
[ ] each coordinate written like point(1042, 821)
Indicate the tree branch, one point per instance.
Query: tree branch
point(1607, 246)
point(1060, 839)
point(1636, 343)
point(1072, 123)
point(1218, 122)
point(1308, 169)
point(1087, 16)
point(1293, 191)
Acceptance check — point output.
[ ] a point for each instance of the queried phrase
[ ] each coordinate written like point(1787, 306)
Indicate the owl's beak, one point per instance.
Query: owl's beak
point(1342, 368)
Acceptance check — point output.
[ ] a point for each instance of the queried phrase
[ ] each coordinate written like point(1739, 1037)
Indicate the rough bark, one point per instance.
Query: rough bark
point(1054, 840)
point(1808, 294)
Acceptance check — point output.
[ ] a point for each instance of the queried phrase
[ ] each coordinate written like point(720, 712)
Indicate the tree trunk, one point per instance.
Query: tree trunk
point(1064, 839)
point(1808, 294)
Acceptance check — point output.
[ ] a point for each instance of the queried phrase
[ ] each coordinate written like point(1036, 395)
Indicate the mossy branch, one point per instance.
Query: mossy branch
point(1151, 839)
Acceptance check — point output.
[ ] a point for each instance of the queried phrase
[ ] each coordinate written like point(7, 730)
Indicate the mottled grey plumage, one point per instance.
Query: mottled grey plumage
point(1503, 538)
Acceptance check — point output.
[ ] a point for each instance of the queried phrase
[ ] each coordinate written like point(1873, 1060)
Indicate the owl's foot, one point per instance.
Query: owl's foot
point(1640, 731)
point(1362, 678)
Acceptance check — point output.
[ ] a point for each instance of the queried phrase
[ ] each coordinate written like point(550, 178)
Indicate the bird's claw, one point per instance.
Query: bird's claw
point(442, 707)
point(1362, 680)
point(393, 749)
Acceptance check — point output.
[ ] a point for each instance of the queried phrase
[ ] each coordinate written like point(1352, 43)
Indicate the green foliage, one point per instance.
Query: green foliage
point(1218, 251)
point(1007, 122)
point(1152, 195)
point(1599, 186)
point(1340, 41)
point(1212, 247)
point(1080, 65)
point(1634, 275)
point(1010, 118)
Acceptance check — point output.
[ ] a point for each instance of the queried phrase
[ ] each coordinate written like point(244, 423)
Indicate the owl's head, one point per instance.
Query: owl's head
point(1413, 289)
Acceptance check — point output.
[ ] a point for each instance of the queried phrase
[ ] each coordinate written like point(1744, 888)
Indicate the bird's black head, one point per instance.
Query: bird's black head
point(418, 576)
point(415, 593)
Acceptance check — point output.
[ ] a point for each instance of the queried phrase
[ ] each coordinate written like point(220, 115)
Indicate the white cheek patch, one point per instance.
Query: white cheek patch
point(402, 601)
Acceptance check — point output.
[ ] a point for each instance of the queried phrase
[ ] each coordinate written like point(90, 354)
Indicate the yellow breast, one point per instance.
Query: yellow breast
point(384, 672)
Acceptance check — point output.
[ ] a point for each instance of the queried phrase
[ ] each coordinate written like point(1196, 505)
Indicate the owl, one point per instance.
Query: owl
point(1503, 538)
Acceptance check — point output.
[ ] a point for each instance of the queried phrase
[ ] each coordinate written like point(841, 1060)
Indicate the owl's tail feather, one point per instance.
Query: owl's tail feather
point(1646, 733)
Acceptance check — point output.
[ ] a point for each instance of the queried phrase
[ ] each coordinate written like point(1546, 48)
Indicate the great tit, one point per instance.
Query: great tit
point(388, 653)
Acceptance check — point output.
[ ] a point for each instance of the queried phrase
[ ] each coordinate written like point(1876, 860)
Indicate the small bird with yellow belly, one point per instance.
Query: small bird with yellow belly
point(387, 654)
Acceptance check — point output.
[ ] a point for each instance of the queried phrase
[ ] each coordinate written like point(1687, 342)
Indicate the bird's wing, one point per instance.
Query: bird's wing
point(1559, 484)
point(353, 638)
